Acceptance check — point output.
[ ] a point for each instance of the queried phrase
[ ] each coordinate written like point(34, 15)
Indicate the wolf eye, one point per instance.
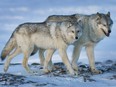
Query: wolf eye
point(72, 31)
point(78, 31)
point(104, 25)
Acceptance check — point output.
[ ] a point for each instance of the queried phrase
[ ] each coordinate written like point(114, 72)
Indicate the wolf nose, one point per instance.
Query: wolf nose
point(109, 31)
point(76, 37)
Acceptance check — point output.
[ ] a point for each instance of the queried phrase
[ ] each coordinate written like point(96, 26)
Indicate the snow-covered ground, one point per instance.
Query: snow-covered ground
point(18, 77)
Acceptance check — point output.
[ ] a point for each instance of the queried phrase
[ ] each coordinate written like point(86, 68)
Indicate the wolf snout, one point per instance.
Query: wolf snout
point(109, 31)
point(108, 34)
point(76, 37)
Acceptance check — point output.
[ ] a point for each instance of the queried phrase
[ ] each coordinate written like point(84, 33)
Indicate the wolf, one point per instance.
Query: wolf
point(56, 18)
point(50, 36)
point(95, 27)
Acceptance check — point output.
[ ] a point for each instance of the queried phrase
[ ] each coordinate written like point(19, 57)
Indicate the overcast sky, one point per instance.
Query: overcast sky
point(15, 12)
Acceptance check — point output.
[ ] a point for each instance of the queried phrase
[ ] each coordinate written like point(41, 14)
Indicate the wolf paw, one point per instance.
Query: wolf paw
point(50, 67)
point(46, 70)
point(95, 71)
point(73, 73)
point(5, 69)
point(75, 67)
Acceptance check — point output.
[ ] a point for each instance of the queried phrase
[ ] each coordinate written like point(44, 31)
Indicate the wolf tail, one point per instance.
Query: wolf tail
point(10, 45)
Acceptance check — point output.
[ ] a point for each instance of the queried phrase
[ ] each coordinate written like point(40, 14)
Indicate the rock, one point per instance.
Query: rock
point(108, 62)
point(10, 79)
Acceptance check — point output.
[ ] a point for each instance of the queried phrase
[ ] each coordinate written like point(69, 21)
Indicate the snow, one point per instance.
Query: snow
point(59, 78)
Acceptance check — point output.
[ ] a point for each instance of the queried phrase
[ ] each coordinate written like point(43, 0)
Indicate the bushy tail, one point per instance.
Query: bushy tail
point(10, 45)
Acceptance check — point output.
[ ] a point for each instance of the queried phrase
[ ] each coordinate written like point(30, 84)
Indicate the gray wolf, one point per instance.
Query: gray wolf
point(95, 28)
point(50, 36)
point(56, 18)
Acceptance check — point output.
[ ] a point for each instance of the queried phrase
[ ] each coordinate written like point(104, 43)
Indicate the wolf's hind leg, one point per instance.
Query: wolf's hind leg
point(10, 57)
point(41, 56)
point(25, 62)
point(47, 66)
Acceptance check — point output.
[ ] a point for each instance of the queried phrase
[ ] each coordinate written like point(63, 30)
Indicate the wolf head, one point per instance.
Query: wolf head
point(72, 31)
point(104, 23)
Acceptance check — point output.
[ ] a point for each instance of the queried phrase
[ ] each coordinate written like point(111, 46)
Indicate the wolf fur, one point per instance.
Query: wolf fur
point(58, 18)
point(95, 28)
point(50, 36)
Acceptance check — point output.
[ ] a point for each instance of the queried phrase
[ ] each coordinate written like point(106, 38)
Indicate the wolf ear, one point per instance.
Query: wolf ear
point(80, 22)
point(98, 15)
point(69, 24)
point(108, 14)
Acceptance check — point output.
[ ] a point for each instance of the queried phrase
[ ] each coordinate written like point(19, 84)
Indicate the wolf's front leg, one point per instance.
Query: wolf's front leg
point(65, 60)
point(47, 61)
point(90, 54)
point(75, 55)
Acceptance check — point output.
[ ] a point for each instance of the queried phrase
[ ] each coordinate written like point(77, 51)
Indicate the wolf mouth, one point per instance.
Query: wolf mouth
point(107, 34)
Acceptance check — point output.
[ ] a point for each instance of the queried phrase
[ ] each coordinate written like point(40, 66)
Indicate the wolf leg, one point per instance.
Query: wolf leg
point(26, 56)
point(25, 62)
point(90, 54)
point(66, 61)
point(41, 56)
point(49, 54)
point(10, 57)
point(75, 56)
